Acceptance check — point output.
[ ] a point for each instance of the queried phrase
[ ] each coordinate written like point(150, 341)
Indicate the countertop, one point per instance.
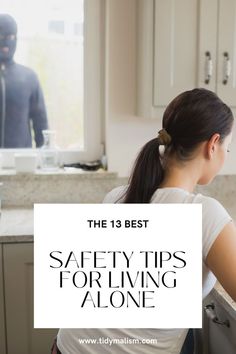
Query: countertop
point(22, 190)
point(17, 226)
point(224, 298)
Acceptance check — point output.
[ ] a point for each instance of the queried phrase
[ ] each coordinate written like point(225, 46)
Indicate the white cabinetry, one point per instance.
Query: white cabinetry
point(207, 46)
point(21, 336)
point(2, 313)
point(175, 47)
point(227, 49)
point(219, 325)
point(184, 44)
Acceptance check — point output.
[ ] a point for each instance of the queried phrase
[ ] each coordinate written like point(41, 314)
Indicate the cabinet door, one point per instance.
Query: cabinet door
point(176, 28)
point(208, 44)
point(219, 338)
point(226, 86)
point(2, 314)
point(22, 338)
point(145, 34)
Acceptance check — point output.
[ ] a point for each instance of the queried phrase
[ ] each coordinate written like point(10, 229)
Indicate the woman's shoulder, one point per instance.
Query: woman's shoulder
point(210, 204)
point(115, 195)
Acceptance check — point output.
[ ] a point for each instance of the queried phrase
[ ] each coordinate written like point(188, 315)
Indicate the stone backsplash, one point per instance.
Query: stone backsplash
point(23, 190)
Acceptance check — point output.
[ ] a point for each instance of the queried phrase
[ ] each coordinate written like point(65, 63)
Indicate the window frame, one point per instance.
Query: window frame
point(94, 33)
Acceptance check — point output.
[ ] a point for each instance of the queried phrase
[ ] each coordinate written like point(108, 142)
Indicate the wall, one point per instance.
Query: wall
point(126, 132)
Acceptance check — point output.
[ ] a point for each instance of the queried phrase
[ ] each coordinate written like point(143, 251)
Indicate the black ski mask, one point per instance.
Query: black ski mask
point(8, 30)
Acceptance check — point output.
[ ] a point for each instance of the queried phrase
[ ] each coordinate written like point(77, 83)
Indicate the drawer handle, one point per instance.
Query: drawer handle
point(208, 67)
point(209, 309)
point(226, 68)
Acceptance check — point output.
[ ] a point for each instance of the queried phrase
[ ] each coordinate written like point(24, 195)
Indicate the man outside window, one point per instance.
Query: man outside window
point(21, 98)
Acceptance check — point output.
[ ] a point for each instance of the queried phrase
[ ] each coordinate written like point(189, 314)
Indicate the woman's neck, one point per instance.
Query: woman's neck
point(181, 177)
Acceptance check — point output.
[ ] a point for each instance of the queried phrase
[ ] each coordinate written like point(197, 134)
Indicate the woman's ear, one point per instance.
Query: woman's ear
point(212, 145)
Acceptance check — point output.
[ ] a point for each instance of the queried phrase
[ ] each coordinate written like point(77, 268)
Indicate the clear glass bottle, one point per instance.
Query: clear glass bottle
point(49, 152)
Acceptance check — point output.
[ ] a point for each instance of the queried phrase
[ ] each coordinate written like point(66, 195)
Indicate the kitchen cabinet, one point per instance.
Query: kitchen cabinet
point(181, 45)
point(2, 315)
point(219, 326)
point(226, 55)
point(175, 47)
point(21, 337)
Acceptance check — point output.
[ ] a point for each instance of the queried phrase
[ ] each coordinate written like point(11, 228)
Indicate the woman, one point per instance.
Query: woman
point(197, 130)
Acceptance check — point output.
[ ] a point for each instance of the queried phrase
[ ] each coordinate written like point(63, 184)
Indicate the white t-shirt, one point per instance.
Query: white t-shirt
point(143, 340)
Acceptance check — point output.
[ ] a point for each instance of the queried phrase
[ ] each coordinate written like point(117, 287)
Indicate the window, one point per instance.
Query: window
point(61, 41)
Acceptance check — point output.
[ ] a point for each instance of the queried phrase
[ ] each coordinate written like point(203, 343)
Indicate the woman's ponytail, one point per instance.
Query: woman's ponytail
point(147, 174)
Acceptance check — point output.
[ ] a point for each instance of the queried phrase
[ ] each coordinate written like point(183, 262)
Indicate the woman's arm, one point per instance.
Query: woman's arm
point(221, 259)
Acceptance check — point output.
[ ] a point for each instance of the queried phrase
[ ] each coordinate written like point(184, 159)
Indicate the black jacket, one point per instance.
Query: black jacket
point(21, 107)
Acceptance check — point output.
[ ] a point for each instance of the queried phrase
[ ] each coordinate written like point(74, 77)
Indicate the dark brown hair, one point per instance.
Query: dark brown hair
point(191, 118)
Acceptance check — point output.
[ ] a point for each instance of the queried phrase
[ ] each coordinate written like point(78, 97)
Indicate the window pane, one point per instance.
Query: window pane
point(51, 42)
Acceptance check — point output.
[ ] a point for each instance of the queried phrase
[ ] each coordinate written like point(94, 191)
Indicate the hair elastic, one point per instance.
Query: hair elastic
point(163, 137)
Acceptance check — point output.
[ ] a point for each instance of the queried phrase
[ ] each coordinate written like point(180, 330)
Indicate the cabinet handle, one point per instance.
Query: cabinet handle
point(226, 68)
point(208, 67)
point(209, 309)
